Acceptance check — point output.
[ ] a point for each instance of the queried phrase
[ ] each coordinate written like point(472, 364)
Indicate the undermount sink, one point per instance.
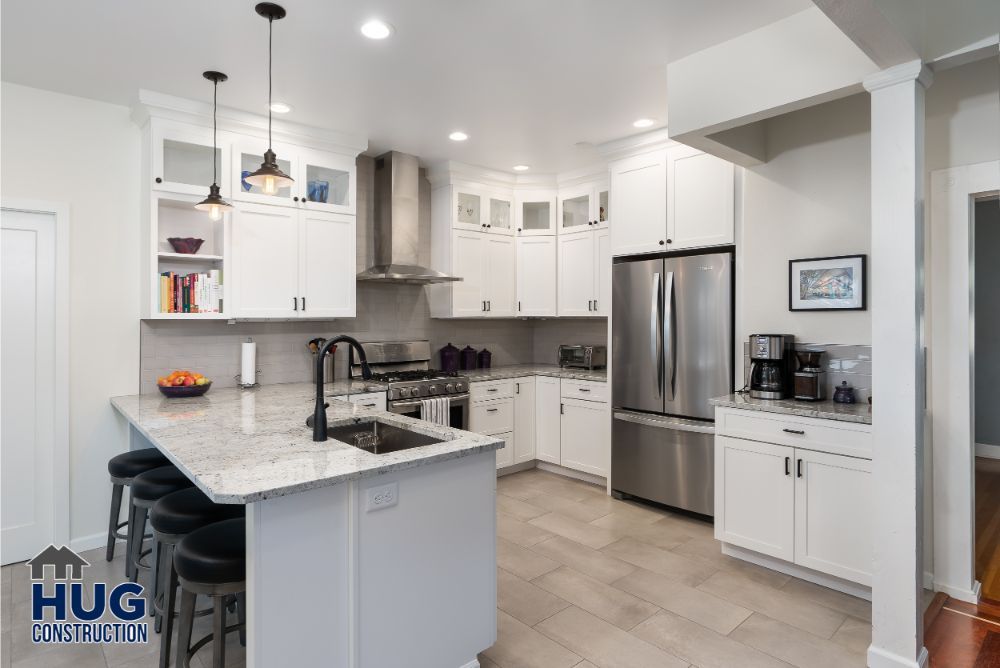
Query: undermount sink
point(379, 437)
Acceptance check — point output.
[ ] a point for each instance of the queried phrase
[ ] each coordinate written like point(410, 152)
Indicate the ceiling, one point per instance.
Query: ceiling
point(534, 82)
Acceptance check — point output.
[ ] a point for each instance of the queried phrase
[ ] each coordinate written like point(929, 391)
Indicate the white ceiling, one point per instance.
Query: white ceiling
point(531, 81)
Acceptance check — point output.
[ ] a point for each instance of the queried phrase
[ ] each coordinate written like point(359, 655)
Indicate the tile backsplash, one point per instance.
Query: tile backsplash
point(841, 362)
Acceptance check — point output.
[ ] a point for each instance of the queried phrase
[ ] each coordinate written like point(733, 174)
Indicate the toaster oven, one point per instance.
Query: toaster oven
point(583, 357)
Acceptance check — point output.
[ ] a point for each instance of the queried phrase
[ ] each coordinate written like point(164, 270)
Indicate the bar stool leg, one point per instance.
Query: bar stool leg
point(116, 509)
point(155, 580)
point(169, 601)
point(138, 526)
point(130, 538)
point(241, 614)
point(219, 632)
point(184, 631)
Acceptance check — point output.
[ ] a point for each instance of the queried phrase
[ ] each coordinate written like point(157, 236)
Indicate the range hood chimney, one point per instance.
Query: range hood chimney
point(397, 233)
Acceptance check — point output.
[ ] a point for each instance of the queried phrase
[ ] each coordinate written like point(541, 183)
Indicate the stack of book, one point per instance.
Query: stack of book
point(191, 293)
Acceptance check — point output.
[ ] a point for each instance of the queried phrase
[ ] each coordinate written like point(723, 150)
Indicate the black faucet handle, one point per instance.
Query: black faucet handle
point(366, 371)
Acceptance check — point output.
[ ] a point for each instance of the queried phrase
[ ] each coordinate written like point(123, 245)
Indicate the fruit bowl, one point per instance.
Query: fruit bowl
point(178, 391)
point(186, 245)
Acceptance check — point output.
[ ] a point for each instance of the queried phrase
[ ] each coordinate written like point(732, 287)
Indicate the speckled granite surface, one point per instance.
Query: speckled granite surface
point(521, 370)
point(345, 386)
point(241, 446)
point(826, 410)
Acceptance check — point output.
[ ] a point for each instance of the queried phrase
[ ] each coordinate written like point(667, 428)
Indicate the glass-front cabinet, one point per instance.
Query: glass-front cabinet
point(584, 207)
point(182, 158)
point(468, 208)
point(325, 182)
point(501, 214)
point(535, 214)
point(247, 158)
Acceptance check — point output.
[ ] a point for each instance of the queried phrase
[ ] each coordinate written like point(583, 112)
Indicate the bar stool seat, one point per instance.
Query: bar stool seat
point(122, 469)
point(158, 482)
point(130, 464)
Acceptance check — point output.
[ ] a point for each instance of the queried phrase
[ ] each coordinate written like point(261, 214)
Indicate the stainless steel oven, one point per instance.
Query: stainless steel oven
point(458, 407)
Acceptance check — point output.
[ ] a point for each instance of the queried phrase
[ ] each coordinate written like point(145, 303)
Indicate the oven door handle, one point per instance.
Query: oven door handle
point(413, 404)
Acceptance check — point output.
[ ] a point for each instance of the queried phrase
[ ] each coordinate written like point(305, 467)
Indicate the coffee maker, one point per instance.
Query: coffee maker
point(772, 366)
point(810, 378)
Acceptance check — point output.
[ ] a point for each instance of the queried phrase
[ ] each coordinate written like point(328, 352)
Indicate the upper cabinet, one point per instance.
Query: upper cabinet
point(583, 207)
point(500, 216)
point(669, 199)
point(535, 213)
point(584, 274)
point(182, 158)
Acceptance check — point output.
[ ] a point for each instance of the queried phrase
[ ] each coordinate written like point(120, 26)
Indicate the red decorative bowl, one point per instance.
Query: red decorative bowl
point(188, 245)
point(179, 391)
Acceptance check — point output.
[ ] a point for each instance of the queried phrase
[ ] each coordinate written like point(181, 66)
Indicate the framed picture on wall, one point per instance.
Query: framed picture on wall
point(828, 283)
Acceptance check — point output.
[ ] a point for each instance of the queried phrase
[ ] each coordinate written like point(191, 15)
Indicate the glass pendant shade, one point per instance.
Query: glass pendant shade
point(214, 204)
point(269, 176)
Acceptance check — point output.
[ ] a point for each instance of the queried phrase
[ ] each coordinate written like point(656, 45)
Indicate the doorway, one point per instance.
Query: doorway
point(33, 395)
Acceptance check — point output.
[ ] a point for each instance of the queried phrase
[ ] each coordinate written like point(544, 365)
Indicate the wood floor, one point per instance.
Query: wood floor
point(988, 526)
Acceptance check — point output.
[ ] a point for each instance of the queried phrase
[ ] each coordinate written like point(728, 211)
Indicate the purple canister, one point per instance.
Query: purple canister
point(485, 357)
point(449, 358)
point(467, 360)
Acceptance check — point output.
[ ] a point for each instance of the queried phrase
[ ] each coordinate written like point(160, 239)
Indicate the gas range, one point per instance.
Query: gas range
point(430, 383)
point(404, 367)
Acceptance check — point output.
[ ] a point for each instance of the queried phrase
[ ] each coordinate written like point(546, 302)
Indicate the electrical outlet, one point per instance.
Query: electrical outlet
point(383, 496)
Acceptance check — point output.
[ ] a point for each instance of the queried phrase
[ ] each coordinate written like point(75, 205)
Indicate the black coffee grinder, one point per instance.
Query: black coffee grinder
point(772, 366)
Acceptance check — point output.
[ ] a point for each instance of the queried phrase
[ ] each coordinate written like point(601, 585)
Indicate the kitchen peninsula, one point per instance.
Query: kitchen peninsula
point(353, 558)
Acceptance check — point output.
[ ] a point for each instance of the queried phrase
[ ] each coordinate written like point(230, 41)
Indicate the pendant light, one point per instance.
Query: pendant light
point(269, 176)
point(214, 203)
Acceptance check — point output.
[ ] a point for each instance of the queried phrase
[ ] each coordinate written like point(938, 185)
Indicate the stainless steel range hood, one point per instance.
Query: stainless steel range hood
point(397, 233)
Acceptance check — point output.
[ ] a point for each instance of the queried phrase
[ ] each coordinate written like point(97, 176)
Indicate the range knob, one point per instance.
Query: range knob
point(449, 388)
point(404, 392)
point(460, 387)
point(416, 391)
point(433, 389)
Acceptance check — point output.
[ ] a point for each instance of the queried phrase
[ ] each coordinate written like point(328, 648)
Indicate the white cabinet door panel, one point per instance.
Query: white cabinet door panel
point(266, 260)
point(547, 427)
point(500, 284)
point(700, 199)
point(524, 420)
point(585, 435)
point(505, 455)
point(639, 191)
point(536, 276)
point(576, 274)
point(602, 273)
point(755, 496)
point(326, 265)
point(469, 258)
point(833, 515)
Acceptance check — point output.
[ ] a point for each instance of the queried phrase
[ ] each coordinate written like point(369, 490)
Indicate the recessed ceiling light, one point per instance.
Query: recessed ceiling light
point(458, 136)
point(376, 29)
point(281, 107)
point(521, 168)
point(643, 123)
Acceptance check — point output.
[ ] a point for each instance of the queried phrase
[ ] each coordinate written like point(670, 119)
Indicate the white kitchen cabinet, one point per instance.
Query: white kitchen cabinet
point(524, 420)
point(505, 455)
point(548, 442)
point(375, 400)
point(536, 276)
point(486, 264)
point(582, 286)
point(293, 264)
point(182, 158)
point(500, 214)
point(602, 272)
point(324, 181)
point(833, 514)
point(700, 199)
point(639, 188)
point(535, 213)
point(499, 281)
point(585, 432)
point(584, 207)
point(468, 257)
point(755, 496)
point(248, 154)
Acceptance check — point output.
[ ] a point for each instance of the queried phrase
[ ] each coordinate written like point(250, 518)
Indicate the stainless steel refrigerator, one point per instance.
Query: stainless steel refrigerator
point(672, 351)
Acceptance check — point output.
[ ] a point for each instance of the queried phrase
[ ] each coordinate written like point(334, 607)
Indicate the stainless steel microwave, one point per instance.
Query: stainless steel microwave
point(583, 357)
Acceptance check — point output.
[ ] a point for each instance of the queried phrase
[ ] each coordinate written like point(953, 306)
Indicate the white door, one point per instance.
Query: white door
point(547, 406)
point(501, 286)
point(602, 272)
point(266, 261)
point(27, 430)
point(535, 214)
point(755, 496)
point(585, 436)
point(576, 210)
point(182, 158)
point(524, 420)
point(326, 265)
point(500, 216)
point(469, 210)
point(833, 515)
point(700, 199)
point(505, 455)
point(600, 205)
point(325, 182)
point(536, 276)
point(639, 189)
point(576, 274)
point(469, 262)
point(248, 154)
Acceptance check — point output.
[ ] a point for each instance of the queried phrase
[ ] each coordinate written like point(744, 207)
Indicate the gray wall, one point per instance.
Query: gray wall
point(384, 313)
point(987, 282)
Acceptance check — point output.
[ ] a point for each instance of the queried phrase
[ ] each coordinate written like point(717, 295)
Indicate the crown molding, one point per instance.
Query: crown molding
point(635, 144)
point(151, 104)
point(914, 70)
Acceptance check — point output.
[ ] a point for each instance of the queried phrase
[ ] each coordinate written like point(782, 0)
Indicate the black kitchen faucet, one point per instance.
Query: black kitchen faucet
point(319, 416)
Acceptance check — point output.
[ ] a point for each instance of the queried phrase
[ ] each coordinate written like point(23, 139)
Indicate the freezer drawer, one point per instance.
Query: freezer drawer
point(663, 459)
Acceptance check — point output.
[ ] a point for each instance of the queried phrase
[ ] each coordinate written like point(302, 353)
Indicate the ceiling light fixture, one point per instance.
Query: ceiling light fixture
point(643, 123)
point(376, 29)
point(269, 176)
point(521, 168)
point(214, 204)
point(458, 136)
point(281, 107)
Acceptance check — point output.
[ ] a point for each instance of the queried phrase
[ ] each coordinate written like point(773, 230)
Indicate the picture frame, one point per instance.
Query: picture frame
point(838, 283)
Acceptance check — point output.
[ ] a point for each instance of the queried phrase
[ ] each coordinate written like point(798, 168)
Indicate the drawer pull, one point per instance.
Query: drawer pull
point(583, 389)
point(492, 410)
point(788, 466)
point(492, 389)
point(798, 468)
point(368, 405)
point(799, 432)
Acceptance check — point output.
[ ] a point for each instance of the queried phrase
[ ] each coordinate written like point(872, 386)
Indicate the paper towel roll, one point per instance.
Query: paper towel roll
point(248, 363)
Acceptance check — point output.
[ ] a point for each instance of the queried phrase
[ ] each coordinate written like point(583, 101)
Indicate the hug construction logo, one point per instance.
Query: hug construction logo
point(73, 620)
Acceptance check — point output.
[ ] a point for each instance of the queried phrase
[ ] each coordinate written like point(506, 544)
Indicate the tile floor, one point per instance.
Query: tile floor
point(584, 581)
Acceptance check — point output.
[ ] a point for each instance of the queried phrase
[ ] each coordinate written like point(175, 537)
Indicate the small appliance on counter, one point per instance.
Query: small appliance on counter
point(772, 366)
point(583, 357)
point(810, 378)
point(449, 358)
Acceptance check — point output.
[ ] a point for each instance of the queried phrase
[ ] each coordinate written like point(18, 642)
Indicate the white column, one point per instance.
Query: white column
point(897, 292)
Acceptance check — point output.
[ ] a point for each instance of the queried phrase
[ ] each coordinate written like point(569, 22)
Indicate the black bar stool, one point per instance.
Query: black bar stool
point(211, 561)
point(122, 469)
point(173, 517)
point(147, 489)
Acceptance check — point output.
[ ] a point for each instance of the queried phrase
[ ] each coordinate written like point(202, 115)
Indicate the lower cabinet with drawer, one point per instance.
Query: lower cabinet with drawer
point(796, 503)
point(505, 409)
point(374, 400)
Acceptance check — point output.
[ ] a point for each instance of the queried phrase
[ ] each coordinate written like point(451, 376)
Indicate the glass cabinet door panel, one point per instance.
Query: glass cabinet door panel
point(468, 212)
point(604, 212)
point(326, 185)
point(576, 212)
point(500, 214)
point(535, 216)
point(249, 163)
point(189, 164)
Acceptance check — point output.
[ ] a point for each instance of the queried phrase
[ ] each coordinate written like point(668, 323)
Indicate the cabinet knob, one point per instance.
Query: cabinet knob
point(159, 180)
point(670, 241)
point(296, 198)
point(662, 242)
point(519, 229)
point(489, 226)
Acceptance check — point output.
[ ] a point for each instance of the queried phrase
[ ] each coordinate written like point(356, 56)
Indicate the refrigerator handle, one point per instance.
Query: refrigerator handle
point(669, 338)
point(656, 333)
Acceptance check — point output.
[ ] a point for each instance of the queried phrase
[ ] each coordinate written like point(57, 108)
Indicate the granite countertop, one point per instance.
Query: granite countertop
point(346, 386)
point(521, 370)
point(241, 446)
point(826, 410)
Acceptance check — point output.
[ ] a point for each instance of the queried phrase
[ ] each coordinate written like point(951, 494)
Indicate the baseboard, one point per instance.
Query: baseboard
point(91, 542)
point(516, 468)
point(987, 450)
point(958, 593)
point(571, 473)
point(880, 658)
point(929, 580)
point(822, 579)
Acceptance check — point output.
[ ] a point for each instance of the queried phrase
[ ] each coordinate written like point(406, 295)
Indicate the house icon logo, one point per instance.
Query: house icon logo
point(61, 559)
